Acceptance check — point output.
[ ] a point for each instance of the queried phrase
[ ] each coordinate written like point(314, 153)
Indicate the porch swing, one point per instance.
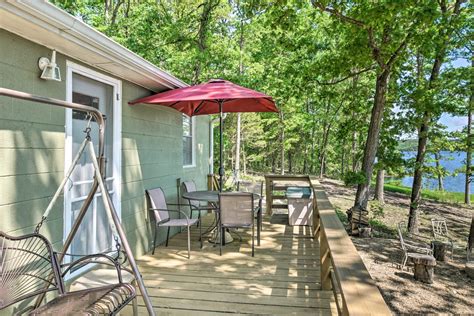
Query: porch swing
point(29, 267)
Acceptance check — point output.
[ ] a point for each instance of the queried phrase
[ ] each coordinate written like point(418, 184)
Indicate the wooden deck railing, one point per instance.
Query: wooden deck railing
point(275, 182)
point(342, 268)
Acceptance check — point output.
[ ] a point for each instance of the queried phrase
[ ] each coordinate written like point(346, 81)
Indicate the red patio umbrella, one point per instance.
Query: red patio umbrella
point(212, 97)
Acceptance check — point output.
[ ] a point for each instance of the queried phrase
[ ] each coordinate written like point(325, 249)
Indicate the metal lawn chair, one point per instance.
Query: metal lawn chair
point(411, 247)
point(257, 188)
point(29, 267)
point(161, 212)
point(236, 210)
point(441, 233)
point(195, 206)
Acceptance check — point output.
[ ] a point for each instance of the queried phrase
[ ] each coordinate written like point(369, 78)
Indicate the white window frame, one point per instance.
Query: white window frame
point(193, 143)
point(71, 68)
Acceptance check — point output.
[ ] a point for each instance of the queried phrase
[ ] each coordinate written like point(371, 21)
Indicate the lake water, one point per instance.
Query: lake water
point(452, 161)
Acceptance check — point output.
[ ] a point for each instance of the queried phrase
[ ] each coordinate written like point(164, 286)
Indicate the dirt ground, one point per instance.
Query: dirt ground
point(452, 291)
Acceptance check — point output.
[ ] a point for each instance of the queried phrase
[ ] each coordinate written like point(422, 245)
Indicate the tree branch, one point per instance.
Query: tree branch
point(400, 48)
point(375, 48)
point(352, 74)
point(338, 14)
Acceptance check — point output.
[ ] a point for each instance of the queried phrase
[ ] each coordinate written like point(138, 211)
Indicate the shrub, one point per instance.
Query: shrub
point(354, 178)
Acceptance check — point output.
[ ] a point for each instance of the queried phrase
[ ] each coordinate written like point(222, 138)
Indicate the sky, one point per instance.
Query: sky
point(455, 123)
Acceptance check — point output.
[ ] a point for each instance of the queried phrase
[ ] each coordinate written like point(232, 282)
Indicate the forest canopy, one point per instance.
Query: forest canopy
point(352, 79)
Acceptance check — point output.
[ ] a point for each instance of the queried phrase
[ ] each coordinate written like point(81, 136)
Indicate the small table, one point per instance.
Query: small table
point(205, 196)
point(424, 267)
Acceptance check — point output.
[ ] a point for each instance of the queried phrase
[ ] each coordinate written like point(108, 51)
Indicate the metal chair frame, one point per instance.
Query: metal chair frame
point(222, 210)
point(410, 247)
point(254, 187)
point(194, 206)
point(441, 233)
point(168, 222)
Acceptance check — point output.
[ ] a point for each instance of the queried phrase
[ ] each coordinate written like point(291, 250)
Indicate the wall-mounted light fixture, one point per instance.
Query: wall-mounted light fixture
point(50, 68)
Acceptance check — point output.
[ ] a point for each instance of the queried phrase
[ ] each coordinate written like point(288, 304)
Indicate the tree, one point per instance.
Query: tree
point(446, 25)
point(387, 36)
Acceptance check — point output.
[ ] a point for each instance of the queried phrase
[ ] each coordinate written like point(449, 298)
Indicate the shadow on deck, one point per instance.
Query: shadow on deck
point(282, 278)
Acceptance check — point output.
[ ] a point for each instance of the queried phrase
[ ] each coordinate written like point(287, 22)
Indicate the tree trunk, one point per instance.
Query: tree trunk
point(282, 139)
point(418, 176)
point(379, 196)
point(238, 132)
point(354, 131)
point(290, 163)
point(305, 160)
point(467, 190)
point(244, 159)
point(439, 170)
point(237, 150)
point(343, 157)
point(370, 150)
point(354, 151)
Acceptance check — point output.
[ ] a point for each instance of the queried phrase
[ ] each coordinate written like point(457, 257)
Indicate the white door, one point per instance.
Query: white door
point(102, 92)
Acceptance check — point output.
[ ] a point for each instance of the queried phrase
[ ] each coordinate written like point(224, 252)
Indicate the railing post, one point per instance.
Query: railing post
point(325, 262)
point(268, 195)
point(210, 178)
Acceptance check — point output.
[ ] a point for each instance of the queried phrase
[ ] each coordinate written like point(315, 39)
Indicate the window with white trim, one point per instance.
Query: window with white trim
point(188, 140)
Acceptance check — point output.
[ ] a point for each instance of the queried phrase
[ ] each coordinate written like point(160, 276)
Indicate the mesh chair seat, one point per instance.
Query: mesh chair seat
point(105, 300)
point(236, 210)
point(180, 222)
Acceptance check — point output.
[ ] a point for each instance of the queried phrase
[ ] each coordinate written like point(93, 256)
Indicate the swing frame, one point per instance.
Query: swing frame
point(99, 164)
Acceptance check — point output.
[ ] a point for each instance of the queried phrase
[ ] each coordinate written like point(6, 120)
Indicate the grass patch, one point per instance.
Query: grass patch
point(380, 229)
point(342, 216)
point(441, 196)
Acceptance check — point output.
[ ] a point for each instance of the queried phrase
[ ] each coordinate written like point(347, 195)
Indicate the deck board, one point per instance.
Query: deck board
point(283, 278)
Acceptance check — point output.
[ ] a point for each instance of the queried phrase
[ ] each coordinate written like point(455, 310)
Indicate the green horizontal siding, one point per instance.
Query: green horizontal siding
point(31, 141)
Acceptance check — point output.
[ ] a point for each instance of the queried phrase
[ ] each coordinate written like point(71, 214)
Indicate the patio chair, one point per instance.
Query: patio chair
point(195, 206)
point(29, 267)
point(236, 210)
point(257, 188)
point(410, 247)
point(161, 212)
point(441, 233)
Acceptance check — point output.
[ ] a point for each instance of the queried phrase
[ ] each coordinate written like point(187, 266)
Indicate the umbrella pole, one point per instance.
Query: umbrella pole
point(221, 147)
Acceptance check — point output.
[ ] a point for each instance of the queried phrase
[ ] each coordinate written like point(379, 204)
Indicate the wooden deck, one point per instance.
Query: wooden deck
point(283, 278)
